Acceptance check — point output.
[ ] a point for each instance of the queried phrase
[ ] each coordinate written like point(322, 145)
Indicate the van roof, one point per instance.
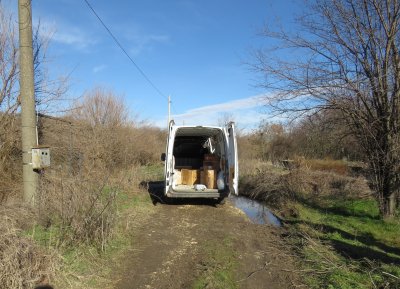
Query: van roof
point(198, 126)
point(197, 130)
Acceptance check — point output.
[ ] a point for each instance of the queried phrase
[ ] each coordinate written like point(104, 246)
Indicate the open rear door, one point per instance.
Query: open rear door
point(169, 166)
point(233, 159)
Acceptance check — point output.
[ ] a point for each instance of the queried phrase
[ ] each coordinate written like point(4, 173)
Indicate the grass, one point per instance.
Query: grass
point(344, 244)
point(85, 265)
point(153, 172)
point(218, 269)
point(337, 166)
point(335, 227)
point(94, 268)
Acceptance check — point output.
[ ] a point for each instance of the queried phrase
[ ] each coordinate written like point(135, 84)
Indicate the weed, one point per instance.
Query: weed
point(24, 263)
point(277, 186)
point(217, 271)
point(344, 244)
point(336, 229)
point(328, 165)
point(85, 265)
point(153, 172)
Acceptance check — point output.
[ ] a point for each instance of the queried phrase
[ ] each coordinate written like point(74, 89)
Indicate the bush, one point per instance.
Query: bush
point(276, 187)
point(95, 152)
point(10, 157)
point(266, 185)
point(326, 165)
point(83, 208)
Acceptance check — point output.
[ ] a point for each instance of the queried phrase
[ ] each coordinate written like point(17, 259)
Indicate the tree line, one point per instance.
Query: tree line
point(345, 61)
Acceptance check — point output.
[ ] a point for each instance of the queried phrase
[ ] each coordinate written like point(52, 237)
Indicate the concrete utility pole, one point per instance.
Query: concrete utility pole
point(27, 96)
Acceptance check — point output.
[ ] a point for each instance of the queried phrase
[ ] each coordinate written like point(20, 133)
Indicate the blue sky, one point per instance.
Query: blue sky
point(192, 50)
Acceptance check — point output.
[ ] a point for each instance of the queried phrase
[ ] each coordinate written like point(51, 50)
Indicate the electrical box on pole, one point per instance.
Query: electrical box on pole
point(40, 157)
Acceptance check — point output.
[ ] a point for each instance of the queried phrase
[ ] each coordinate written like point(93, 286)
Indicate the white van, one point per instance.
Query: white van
point(201, 162)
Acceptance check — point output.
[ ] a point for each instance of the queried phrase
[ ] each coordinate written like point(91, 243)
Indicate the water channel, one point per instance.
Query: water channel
point(255, 210)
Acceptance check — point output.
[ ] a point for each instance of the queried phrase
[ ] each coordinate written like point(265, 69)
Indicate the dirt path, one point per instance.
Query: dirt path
point(199, 245)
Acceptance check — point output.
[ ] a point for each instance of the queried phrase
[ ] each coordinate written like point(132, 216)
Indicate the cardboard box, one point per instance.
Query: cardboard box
point(210, 157)
point(211, 160)
point(190, 177)
point(202, 177)
point(213, 164)
point(210, 178)
point(177, 177)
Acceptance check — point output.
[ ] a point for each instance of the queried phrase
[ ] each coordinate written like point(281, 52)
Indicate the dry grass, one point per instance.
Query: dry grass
point(276, 186)
point(266, 185)
point(10, 156)
point(83, 208)
point(325, 165)
point(253, 166)
point(95, 153)
point(23, 263)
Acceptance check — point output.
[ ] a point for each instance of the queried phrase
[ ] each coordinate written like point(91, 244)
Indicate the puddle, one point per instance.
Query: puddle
point(255, 210)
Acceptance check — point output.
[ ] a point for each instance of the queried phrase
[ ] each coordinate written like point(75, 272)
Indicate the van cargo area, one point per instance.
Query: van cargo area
point(197, 157)
point(197, 162)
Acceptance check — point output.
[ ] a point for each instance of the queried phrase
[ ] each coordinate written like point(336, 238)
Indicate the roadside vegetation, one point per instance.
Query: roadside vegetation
point(332, 220)
point(333, 173)
point(345, 65)
point(99, 157)
point(86, 200)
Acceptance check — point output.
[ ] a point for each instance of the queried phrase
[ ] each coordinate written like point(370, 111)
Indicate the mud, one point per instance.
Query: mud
point(168, 248)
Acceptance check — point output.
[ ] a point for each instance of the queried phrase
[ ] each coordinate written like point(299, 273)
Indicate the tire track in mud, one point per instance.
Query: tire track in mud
point(167, 243)
point(168, 249)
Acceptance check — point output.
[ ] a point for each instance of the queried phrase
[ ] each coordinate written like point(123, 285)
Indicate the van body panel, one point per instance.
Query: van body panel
point(233, 159)
point(190, 148)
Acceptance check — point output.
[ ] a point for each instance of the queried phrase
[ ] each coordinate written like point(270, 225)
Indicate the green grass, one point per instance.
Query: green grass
point(218, 270)
point(85, 265)
point(153, 172)
point(347, 245)
point(46, 237)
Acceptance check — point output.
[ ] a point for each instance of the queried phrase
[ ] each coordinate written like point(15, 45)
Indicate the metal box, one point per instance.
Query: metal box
point(40, 157)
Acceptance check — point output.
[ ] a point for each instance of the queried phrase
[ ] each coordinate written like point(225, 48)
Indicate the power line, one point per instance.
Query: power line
point(126, 53)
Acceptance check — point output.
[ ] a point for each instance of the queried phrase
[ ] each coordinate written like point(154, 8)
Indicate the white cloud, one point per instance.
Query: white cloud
point(65, 34)
point(144, 42)
point(99, 68)
point(247, 112)
point(226, 107)
point(73, 37)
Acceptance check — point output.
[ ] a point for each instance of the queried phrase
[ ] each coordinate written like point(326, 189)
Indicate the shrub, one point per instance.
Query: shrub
point(276, 187)
point(326, 165)
point(83, 207)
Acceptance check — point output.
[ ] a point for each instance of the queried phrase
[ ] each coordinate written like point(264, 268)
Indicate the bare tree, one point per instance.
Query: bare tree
point(345, 57)
point(47, 90)
point(101, 107)
point(8, 64)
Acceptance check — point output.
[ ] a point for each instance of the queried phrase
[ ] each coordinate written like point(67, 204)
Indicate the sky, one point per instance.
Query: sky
point(194, 51)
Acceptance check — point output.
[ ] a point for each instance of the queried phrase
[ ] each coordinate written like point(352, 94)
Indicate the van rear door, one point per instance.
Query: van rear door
point(233, 159)
point(169, 166)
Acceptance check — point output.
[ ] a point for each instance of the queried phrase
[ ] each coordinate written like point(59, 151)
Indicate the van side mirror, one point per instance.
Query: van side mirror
point(163, 157)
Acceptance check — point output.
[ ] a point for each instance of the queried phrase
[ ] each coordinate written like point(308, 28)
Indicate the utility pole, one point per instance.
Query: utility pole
point(27, 96)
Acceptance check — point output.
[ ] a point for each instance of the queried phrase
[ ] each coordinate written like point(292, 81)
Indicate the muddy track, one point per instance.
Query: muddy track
point(170, 249)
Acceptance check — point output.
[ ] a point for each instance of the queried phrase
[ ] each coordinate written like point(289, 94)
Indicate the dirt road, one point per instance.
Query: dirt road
point(200, 245)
